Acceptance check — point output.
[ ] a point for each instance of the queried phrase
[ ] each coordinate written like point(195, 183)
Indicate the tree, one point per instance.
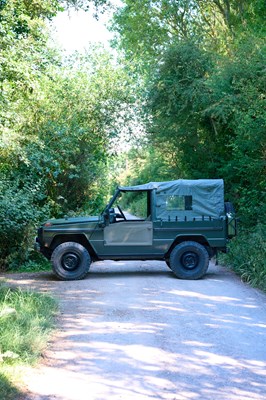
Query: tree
point(145, 28)
point(204, 86)
point(75, 121)
point(178, 97)
point(56, 124)
point(24, 57)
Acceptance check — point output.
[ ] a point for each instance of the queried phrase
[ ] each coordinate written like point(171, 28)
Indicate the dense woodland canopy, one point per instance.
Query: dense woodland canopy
point(190, 75)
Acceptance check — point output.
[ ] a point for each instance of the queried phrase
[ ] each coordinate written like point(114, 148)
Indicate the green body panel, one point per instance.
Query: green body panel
point(152, 239)
point(114, 236)
point(69, 226)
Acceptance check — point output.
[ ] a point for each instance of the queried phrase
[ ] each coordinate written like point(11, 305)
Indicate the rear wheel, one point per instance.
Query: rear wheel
point(70, 261)
point(189, 260)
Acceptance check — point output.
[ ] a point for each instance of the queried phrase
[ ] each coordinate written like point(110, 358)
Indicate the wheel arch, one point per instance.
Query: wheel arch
point(77, 238)
point(201, 239)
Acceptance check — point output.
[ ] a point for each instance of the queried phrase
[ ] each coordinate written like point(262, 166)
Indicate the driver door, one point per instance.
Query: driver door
point(129, 233)
point(125, 234)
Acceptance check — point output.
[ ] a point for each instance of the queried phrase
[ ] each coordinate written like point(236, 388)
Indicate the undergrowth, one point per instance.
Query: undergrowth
point(26, 322)
point(36, 262)
point(247, 256)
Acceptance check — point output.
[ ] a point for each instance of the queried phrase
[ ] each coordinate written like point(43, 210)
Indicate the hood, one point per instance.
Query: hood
point(71, 221)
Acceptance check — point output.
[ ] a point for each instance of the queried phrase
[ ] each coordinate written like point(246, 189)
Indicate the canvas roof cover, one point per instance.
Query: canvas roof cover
point(207, 197)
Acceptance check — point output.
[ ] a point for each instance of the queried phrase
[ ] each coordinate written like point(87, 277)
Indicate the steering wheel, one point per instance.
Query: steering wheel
point(121, 212)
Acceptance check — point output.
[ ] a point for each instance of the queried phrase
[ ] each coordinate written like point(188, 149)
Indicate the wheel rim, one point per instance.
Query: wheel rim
point(70, 261)
point(189, 260)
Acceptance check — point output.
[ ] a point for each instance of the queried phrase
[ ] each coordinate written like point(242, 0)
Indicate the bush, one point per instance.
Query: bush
point(18, 216)
point(247, 256)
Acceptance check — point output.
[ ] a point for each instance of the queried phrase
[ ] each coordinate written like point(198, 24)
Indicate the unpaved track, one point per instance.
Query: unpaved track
point(132, 331)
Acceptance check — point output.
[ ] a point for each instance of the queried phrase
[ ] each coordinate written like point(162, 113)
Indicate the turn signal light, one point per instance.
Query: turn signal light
point(48, 224)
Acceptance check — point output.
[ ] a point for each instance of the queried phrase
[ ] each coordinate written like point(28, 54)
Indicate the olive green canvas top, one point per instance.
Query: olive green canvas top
point(185, 198)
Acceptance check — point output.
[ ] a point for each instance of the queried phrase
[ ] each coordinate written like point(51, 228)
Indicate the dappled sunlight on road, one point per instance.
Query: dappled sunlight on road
point(134, 331)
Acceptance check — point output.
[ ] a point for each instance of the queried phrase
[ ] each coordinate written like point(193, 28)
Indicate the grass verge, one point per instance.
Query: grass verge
point(36, 262)
point(26, 322)
point(247, 256)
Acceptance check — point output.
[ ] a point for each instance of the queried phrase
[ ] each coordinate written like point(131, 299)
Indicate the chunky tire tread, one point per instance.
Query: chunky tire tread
point(78, 250)
point(191, 248)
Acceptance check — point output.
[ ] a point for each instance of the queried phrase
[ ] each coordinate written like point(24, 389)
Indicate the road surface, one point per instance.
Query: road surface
point(132, 331)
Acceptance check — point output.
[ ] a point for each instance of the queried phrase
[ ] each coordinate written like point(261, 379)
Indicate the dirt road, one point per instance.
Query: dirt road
point(132, 331)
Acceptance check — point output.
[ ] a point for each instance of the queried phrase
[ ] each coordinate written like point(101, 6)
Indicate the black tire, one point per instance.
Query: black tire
point(168, 263)
point(70, 261)
point(189, 260)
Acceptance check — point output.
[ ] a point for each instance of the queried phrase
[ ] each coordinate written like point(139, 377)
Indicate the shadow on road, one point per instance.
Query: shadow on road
point(134, 331)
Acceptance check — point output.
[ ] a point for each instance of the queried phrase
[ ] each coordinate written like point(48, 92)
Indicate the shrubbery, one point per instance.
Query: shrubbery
point(247, 256)
point(203, 90)
point(57, 120)
point(19, 215)
point(204, 103)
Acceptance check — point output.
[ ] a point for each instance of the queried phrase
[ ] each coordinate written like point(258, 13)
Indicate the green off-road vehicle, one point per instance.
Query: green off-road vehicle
point(183, 222)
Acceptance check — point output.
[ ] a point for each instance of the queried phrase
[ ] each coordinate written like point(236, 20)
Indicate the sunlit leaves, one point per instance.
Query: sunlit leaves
point(56, 123)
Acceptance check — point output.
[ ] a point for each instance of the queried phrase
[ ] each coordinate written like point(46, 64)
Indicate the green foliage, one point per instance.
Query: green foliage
point(145, 28)
point(75, 114)
point(35, 262)
point(30, 317)
point(248, 260)
point(211, 115)
point(238, 88)
point(7, 388)
point(134, 203)
point(198, 67)
point(18, 216)
point(56, 125)
point(176, 99)
point(149, 163)
point(203, 64)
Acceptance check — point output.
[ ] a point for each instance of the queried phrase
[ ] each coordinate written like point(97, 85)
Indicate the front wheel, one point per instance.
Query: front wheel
point(168, 263)
point(70, 261)
point(189, 260)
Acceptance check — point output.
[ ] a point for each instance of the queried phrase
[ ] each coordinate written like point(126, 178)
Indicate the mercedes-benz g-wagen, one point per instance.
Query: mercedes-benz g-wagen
point(183, 222)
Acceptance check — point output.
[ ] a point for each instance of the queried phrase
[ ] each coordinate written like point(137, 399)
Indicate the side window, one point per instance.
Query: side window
point(178, 203)
point(135, 203)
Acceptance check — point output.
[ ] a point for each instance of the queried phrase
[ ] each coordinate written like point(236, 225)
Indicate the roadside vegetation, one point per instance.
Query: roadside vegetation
point(26, 322)
point(185, 92)
point(202, 68)
point(184, 97)
point(247, 256)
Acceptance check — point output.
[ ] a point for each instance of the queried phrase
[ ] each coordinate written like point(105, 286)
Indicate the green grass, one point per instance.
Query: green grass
point(35, 262)
point(33, 266)
point(8, 390)
point(247, 256)
point(26, 322)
